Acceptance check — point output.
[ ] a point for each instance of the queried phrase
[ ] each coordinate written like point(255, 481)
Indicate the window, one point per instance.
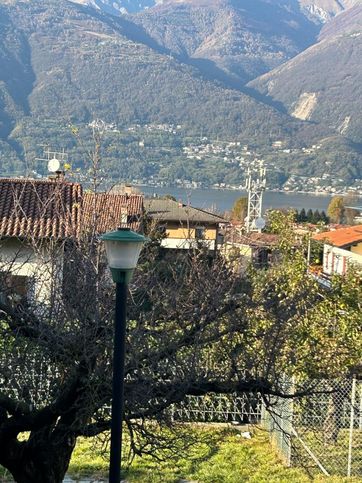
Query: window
point(161, 229)
point(200, 233)
point(15, 287)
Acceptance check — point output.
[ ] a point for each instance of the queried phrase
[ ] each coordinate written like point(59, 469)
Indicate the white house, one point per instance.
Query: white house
point(341, 249)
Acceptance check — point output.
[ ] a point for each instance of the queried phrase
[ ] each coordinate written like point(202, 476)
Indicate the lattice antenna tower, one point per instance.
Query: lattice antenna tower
point(255, 187)
point(55, 160)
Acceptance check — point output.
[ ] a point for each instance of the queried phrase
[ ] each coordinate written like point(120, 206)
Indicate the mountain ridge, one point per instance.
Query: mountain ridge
point(311, 90)
point(320, 10)
point(243, 40)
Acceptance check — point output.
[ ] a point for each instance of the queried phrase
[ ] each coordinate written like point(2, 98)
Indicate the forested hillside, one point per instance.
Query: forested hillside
point(64, 64)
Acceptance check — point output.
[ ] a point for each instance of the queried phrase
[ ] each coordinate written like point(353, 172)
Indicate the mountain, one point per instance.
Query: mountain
point(241, 38)
point(324, 10)
point(324, 83)
point(91, 65)
point(318, 10)
point(118, 7)
point(64, 63)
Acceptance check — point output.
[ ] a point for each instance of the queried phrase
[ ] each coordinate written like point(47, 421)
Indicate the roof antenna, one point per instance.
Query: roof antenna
point(56, 162)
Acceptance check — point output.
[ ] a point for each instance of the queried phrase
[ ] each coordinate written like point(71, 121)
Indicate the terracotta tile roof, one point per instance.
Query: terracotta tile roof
point(169, 210)
point(59, 209)
point(109, 211)
point(253, 239)
point(342, 237)
point(39, 208)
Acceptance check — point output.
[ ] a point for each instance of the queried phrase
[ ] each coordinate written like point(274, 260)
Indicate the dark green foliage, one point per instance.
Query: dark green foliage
point(324, 218)
point(302, 216)
point(311, 216)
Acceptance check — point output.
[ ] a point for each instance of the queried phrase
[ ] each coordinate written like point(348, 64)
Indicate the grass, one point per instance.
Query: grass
point(333, 456)
point(227, 458)
point(219, 456)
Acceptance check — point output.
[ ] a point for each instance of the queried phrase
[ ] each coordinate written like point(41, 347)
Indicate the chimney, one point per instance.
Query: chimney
point(58, 176)
point(128, 189)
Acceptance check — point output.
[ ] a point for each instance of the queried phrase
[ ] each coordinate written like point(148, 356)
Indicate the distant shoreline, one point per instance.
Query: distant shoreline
point(223, 199)
point(214, 188)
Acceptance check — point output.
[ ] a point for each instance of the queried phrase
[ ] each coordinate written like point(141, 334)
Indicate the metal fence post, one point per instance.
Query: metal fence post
point(291, 423)
point(351, 427)
point(360, 405)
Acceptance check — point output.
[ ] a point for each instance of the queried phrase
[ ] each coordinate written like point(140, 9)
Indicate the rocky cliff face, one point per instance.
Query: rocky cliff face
point(323, 83)
point(319, 10)
point(117, 7)
point(324, 10)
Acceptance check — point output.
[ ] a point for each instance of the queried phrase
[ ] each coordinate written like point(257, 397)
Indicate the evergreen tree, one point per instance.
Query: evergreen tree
point(316, 216)
point(310, 216)
point(324, 217)
point(302, 217)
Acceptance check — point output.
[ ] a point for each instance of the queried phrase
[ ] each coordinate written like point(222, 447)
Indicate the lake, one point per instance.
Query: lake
point(223, 200)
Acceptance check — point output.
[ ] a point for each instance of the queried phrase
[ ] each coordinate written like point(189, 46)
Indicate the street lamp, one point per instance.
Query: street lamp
point(123, 248)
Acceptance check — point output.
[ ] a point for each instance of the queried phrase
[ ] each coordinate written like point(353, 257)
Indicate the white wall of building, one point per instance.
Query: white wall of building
point(336, 260)
point(182, 244)
point(42, 269)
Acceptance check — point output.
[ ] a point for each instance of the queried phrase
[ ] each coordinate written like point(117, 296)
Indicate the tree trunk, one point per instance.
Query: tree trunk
point(34, 463)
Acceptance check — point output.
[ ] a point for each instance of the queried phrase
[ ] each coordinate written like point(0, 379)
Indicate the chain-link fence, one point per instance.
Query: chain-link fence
point(321, 432)
point(219, 408)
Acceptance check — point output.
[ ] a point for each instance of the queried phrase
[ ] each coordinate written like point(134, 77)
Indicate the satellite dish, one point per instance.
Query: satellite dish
point(259, 223)
point(53, 165)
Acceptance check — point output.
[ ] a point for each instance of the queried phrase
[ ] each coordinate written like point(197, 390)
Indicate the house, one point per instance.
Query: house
point(184, 226)
point(341, 249)
point(109, 211)
point(37, 217)
point(34, 216)
point(242, 249)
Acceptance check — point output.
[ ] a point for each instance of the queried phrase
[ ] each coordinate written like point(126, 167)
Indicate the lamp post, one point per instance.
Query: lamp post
point(123, 248)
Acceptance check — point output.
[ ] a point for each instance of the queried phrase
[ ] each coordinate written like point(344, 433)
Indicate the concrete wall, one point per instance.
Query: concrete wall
point(182, 244)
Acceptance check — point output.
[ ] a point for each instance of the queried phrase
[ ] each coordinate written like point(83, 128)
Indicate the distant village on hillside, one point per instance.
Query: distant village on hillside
point(237, 154)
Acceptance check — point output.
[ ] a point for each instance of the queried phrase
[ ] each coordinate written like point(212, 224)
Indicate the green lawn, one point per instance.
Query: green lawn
point(226, 458)
point(219, 456)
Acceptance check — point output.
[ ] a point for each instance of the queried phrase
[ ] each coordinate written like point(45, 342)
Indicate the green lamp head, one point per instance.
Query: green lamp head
point(123, 248)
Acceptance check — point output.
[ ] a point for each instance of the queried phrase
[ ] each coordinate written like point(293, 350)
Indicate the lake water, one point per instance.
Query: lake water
point(223, 200)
